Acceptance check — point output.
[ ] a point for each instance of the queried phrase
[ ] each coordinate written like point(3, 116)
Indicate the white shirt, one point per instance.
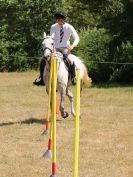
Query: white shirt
point(68, 32)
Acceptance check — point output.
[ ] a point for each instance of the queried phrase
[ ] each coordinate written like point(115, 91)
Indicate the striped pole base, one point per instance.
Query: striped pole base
point(53, 170)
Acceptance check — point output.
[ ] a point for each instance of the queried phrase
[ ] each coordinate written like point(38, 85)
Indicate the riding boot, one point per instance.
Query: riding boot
point(73, 74)
point(40, 81)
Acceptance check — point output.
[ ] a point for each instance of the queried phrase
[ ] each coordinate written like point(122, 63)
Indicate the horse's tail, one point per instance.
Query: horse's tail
point(86, 78)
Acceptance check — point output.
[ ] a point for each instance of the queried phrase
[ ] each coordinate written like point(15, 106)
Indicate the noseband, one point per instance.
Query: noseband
point(48, 49)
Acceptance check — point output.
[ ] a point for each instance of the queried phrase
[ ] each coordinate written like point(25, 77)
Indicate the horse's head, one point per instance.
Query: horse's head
point(48, 46)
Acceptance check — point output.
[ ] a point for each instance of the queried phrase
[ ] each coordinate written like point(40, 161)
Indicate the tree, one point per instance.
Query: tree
point(22, 25)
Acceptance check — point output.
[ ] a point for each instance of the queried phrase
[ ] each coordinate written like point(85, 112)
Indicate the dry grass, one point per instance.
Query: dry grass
point(106, 131)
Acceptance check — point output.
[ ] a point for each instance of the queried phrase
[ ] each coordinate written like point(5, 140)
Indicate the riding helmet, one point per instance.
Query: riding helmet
point(60, 15)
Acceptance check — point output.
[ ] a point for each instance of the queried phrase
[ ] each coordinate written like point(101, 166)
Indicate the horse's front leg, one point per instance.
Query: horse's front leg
point(62, 110)
point(70, 96)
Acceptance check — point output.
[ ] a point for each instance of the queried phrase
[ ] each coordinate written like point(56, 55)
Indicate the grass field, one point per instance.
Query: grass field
point(106, 131)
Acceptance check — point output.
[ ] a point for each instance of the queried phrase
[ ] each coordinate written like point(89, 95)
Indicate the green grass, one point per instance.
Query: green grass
point(106, 130)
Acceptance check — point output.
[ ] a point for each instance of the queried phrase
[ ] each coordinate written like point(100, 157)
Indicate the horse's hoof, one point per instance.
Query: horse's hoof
point(64, 115)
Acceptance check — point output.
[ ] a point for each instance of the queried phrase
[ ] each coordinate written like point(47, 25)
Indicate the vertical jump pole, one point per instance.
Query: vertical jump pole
point(54, 82)
point(49, 98)
point(76, 152)
point(48, 153)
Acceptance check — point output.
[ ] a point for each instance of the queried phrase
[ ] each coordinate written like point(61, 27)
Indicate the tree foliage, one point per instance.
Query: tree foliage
point(105, 28)
point(22, 25)
point(94, 49)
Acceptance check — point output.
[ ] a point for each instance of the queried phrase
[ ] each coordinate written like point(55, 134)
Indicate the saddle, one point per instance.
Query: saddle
point(71, 68)
point(66, 62)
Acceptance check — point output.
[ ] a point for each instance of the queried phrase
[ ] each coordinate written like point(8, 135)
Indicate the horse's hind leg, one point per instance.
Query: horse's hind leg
point(70, 96)
point(62, 110)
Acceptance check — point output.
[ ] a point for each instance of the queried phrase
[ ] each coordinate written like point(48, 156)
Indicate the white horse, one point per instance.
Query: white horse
point(63, 73)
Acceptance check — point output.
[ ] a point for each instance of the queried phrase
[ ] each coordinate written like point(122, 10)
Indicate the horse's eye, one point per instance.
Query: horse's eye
point(52, 43)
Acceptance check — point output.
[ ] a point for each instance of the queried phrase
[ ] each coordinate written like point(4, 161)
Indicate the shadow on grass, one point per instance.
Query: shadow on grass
point(27, 121)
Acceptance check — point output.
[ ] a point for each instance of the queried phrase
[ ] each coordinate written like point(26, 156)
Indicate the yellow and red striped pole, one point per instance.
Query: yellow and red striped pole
point(54, 83)
point(49, 98)
point(48, 153)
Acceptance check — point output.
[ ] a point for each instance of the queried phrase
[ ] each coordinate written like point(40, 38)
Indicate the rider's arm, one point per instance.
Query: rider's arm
point(52, 30)
point(75, 37)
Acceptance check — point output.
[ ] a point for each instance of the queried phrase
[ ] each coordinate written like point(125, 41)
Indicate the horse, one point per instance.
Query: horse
point(63, 81)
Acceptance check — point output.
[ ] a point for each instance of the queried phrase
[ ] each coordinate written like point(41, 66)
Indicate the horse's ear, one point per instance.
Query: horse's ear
point(44, 35)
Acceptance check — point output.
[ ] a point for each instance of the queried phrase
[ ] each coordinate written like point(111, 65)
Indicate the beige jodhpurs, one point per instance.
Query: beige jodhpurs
point(66, 53)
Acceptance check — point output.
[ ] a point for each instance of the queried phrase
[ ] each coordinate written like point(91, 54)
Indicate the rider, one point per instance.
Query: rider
point(62, 32)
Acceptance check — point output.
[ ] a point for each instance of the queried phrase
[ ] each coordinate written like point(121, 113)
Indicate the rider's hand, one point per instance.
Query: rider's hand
point(71, 47)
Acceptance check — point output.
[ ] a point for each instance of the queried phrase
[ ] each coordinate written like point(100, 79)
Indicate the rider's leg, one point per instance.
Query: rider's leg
point(66, 53)
point(42, 65)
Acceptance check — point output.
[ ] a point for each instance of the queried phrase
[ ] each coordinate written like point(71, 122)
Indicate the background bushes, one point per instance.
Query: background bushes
point(94, 49)
point(105, 29)
point(124, 72)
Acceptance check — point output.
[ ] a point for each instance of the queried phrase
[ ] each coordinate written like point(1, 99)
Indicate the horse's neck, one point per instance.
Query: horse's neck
point(47, 66)
point(59, 56)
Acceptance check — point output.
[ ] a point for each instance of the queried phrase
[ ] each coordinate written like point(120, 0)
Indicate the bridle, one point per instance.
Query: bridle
point(51, 50)
point(50, 54)
point(48, 49)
